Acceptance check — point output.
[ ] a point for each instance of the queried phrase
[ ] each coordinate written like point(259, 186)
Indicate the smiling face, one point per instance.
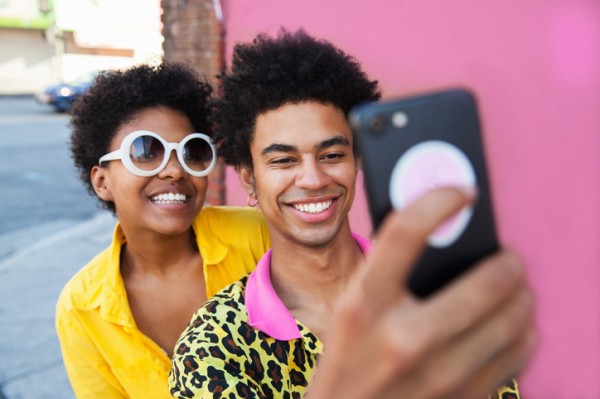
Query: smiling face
point(304, 172)
point(166, 203)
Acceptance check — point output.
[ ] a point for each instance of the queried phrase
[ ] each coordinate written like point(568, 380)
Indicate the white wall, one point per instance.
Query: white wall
point(26, 61)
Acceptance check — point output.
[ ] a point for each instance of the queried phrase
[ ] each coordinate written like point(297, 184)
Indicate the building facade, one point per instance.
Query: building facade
point(44, 42)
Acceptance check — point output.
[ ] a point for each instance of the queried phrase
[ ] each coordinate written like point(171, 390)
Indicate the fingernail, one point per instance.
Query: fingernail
point(469, 191)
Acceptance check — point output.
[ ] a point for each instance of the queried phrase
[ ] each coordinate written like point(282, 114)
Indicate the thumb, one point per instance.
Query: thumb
point(401, 240)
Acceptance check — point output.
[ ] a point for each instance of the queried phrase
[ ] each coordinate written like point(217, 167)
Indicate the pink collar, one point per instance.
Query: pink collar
point(265, 310)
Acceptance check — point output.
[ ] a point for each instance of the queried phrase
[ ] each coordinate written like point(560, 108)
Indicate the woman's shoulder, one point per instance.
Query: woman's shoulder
point(230, 218)
point(228, 211)
point(80, 291)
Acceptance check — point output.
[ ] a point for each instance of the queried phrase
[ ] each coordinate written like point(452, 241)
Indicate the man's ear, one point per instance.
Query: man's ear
point(247, 179)
point(100, 182)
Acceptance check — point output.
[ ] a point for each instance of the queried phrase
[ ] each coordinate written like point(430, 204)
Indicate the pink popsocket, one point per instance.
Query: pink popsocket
point(426, 166)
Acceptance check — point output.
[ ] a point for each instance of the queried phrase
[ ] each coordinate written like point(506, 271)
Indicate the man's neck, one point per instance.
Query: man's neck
point(309, 280)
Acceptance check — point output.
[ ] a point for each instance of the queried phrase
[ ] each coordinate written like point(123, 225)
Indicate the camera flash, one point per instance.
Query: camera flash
point(399, 119)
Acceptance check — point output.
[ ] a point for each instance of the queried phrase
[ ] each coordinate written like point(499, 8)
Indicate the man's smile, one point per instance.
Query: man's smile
point(313, 207)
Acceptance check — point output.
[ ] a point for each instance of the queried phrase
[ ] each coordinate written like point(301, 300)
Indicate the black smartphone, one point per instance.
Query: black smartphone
point(411, 145)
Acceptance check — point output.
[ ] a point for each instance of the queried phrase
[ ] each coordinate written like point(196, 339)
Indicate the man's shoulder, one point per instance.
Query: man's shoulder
point(220, 321)
point(230, 300)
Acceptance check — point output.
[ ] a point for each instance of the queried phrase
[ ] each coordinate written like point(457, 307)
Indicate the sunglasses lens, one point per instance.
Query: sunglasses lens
point(146, 152)
point(197, 154)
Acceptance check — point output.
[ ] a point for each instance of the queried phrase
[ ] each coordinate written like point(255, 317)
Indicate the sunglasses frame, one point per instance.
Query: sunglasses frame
point(122, 154)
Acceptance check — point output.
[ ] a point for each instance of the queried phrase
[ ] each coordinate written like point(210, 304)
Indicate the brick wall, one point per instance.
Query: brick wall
point(194, 35)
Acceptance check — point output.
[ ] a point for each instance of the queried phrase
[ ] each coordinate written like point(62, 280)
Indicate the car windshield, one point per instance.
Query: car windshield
point(88, 77)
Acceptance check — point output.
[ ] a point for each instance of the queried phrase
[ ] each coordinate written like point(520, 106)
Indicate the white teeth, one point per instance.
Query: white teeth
point(313, 207)
point(169, 198)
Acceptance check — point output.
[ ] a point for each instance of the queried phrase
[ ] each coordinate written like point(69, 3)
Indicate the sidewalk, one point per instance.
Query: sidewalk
point(30, 282)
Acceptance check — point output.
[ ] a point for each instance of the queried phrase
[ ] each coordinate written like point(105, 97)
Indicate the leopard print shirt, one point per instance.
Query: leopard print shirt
point(220, 355)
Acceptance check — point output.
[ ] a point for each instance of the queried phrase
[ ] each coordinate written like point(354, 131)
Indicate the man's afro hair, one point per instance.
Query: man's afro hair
point(272, 71)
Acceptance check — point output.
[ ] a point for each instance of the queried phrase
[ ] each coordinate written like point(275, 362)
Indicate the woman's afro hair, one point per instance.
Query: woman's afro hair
point(116, 97)
point(272, 71)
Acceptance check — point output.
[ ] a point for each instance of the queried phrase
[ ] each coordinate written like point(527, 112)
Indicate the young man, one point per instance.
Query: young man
point(282, 123)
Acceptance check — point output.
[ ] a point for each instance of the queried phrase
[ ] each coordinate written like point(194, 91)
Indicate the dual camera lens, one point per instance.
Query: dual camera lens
point(378, 122)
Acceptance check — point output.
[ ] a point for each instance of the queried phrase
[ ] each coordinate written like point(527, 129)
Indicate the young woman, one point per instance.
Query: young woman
point(141, 142)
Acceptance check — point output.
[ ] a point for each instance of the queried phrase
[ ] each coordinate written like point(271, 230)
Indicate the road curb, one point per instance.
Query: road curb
point(102, 221)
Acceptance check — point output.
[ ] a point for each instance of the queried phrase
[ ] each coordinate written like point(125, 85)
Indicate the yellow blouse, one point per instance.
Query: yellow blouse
point(105, 354)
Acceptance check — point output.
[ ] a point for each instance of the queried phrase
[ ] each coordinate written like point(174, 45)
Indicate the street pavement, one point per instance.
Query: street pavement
point(31, 279)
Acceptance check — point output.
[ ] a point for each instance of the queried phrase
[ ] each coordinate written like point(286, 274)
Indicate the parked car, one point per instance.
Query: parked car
point(61, 96)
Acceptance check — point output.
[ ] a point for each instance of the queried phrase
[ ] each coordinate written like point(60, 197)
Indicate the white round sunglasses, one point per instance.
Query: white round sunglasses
point(145, 153)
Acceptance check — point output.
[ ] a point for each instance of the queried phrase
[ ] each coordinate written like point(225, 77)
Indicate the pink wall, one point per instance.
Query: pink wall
point(535, 66)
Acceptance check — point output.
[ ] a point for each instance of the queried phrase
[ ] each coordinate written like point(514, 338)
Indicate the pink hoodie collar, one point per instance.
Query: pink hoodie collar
point(265, 310)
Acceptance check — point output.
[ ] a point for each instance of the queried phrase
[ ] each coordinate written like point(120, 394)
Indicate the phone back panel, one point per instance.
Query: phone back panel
point(386, 131)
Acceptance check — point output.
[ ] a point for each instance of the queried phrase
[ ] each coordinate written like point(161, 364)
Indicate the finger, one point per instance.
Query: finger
point(502, 371)
point(495, 349)
point(475, 295)
point(465, 303)
point(458, 310)
point(478, 348)
point(481, 384)
point(401, 240)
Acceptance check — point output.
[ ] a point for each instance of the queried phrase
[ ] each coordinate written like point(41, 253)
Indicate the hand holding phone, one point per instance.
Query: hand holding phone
point(411, 145)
